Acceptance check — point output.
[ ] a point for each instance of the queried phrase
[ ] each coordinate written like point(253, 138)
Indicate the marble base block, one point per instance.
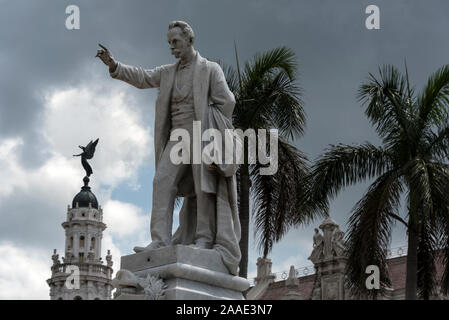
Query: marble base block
point(188, 273)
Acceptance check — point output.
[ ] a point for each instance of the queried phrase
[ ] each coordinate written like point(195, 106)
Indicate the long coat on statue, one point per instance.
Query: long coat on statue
point(210, 90)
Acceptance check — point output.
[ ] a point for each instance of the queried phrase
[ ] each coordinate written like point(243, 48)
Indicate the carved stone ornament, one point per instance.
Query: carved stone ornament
point(55, 258)
point(153, 287)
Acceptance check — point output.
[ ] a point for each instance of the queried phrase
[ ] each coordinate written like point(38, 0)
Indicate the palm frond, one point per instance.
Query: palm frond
point(387, 99)
point(369, 232)
point(445, 255)
point(420, 190)
point(434, 100)
point(231, 78)
point(344, 165)
point(268, 95)
point(437, 144)
point(439, 176)
point(277, 197)
point(286, 110)
point(427, 254)
point(271, 62)
point(264, 203)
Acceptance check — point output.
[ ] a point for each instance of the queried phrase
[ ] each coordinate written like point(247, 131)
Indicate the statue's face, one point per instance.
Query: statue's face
point(179, 45)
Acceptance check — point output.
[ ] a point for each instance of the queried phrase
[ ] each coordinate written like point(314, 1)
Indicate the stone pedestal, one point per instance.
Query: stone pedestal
point(187, 274)
point(332, 273)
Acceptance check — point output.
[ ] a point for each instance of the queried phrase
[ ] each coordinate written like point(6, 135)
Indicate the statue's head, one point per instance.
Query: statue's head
point(180, 36)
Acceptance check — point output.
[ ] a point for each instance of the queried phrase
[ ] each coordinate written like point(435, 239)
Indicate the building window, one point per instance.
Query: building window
point(71, 242)
point(82, 242)
point(77, 298)
point(92, 243)
point(81, 257)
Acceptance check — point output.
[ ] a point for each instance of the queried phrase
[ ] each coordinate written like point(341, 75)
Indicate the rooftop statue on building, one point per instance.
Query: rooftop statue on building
point(87, 154)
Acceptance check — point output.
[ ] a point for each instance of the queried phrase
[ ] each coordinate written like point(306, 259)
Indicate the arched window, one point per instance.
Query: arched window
point(82, 242)
point(71, 242)
point(77, 298)
point(92, 243)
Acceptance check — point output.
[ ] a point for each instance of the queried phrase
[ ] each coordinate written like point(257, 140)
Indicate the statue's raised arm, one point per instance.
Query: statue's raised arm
point(136, 76)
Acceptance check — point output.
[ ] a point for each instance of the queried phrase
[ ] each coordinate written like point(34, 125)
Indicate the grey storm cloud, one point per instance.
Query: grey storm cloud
point(335, 52)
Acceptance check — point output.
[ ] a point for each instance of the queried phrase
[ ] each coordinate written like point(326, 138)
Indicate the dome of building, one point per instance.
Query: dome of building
point(84, 197)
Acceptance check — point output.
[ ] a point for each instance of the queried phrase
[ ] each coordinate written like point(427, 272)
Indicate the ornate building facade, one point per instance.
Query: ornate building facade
point(325, 280)
point(90, 277)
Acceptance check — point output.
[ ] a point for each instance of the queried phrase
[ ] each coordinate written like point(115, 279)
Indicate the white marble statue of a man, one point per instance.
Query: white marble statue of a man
point(187, 91)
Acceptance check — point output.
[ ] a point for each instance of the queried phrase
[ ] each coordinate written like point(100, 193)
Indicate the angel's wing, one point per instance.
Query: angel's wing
point(90, 149)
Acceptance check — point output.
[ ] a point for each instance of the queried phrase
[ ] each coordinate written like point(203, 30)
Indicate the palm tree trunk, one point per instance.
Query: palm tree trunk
point(244, 219)
point(411, 284)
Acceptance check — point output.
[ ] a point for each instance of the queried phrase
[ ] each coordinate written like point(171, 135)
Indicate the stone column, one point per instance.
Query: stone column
point(76, 243)
point(99, 238)
point(88, 243)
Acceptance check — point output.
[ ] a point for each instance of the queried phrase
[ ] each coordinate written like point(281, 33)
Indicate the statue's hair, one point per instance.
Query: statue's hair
point(187, 30)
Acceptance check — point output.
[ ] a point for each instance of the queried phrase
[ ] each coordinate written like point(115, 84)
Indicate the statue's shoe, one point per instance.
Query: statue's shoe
point(153, 245)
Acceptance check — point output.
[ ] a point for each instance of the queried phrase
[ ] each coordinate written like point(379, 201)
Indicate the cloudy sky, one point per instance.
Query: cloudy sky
point(54, 95)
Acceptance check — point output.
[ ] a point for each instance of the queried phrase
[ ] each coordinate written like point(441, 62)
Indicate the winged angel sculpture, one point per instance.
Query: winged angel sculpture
point(87, 154)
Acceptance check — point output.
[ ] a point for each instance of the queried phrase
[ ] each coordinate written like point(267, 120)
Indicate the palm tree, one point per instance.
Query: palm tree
point(266, 98)
point(411, 162)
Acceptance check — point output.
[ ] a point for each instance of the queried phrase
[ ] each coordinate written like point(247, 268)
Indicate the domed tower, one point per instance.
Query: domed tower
point(82, 275)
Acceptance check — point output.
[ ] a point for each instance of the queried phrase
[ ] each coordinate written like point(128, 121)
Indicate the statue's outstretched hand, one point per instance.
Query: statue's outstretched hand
point(106, 57)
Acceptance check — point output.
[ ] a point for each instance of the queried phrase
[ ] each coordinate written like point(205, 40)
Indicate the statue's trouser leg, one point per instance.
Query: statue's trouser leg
point(165, 184)
point(206, 215)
